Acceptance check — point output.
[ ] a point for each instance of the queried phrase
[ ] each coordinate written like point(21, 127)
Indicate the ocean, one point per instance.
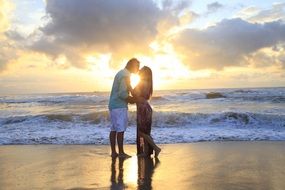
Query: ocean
point(180, 116)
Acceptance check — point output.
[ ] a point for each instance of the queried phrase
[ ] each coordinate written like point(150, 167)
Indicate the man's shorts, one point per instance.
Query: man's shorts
point(119, 119)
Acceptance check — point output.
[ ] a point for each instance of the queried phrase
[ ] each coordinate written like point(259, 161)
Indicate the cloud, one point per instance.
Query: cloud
point(248, 12)
point(227, 43)
point(101, 22)
point(5, 9)
point(213, 7)
point(123, 28)
point(175, 6)
point(120, 27)
point(188, 17)
point(71, 30)
point(265, 57)
point(7, 51)
point(254, 14)
point(76, 29)
point(14, 35)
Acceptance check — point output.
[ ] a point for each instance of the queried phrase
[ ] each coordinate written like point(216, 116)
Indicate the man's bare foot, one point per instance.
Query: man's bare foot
point(157, 151)
point(123, 155)
point(113, 155)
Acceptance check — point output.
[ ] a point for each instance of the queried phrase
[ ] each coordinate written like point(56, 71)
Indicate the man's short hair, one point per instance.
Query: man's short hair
point(131, 61)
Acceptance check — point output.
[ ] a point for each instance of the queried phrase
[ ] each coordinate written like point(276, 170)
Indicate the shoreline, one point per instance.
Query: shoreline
point(219, 165)
point(133, 144)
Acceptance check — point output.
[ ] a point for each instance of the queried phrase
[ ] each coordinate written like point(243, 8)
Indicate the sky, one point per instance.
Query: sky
point(78, 46)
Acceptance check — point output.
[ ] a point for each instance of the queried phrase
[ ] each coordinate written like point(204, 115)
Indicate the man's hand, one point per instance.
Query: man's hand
point(133, 100)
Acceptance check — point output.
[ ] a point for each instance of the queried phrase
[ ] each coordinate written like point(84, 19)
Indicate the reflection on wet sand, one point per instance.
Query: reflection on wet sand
point(117, 182)
point(146, 167)
point(197, 166)
point(145, 170)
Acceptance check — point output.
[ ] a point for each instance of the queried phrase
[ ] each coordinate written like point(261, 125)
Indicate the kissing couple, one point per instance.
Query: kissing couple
point(122, 93)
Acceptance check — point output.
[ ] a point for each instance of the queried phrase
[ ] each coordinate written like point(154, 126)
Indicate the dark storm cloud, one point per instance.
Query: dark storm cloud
point(226, 43)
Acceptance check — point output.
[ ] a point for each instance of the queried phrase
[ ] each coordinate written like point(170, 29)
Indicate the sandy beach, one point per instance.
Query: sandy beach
point(205, 165)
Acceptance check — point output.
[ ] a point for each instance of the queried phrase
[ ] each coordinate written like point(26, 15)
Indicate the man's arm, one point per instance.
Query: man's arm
point(129, 86)
point(124, 89)
point(131, 99)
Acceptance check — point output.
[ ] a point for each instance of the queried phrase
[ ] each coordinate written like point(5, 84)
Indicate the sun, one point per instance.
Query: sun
point(135, 79)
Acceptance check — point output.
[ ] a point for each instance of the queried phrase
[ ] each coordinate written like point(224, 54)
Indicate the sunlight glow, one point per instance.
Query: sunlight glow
point(99, 64)
point(165, 68)
point(135, 79)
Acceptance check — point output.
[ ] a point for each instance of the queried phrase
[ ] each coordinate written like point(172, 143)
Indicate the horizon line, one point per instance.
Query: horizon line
point(104, 91)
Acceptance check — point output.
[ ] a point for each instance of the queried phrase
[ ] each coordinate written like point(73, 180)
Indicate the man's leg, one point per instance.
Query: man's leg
point(122, 123)
point(120, 139)
point(112, 137)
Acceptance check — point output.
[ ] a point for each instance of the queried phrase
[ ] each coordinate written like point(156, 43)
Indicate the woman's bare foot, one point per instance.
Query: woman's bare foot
point(157, 151)
point(124, 155)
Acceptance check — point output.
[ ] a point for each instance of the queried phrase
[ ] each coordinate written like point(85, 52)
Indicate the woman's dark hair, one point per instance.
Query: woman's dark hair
point(146, 73)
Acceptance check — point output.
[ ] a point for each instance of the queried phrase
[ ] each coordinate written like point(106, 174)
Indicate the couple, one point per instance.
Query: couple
point(118, 107)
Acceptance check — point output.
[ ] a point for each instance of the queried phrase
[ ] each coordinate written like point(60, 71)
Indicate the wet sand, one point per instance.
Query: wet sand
point(196, 166)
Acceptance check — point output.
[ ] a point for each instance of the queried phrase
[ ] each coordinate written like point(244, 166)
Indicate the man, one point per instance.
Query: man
point(118, 106)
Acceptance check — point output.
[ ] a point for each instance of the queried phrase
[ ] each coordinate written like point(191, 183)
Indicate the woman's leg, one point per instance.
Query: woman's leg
point(146, 147)
point(151, 142)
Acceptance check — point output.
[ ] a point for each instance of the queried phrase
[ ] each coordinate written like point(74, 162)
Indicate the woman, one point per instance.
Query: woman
point(142, 92)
